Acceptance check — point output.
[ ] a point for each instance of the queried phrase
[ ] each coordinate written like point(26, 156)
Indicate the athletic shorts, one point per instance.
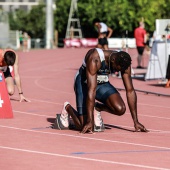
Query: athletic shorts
point(103, 91)
point(7, 73)
point(140, 50)
point(103, 41)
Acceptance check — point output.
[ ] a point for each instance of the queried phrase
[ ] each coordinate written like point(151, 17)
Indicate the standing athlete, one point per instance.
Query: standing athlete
point(141, 39)
point(9, 58)
point(104, 32)
point(92, 83)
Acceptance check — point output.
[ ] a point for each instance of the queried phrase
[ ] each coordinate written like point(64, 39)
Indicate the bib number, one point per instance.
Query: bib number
point(102, 79)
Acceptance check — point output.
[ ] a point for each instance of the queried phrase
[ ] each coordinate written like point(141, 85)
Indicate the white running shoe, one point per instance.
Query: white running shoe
point(62, 120)
point(64, 112)
point(98, 122)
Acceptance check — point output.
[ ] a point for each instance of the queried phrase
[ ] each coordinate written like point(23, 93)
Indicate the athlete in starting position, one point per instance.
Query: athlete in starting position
point(92, 82)
point(8, 58)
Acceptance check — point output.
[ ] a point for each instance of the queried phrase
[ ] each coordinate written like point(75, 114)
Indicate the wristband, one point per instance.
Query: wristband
point(21, 93)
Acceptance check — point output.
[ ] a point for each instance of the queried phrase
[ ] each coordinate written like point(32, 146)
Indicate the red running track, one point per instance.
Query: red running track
point(27, 142)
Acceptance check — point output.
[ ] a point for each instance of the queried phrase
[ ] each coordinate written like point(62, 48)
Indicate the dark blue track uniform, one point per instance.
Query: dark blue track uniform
point(104, 88)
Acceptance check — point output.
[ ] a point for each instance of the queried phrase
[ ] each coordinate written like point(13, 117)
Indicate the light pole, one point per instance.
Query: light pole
point(49, 24)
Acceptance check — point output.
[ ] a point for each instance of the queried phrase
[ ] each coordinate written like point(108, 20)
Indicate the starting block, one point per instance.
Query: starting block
point(5, 104)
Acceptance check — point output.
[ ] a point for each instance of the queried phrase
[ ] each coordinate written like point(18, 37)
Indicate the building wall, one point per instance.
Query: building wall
point(8, 38)
point(6, 6)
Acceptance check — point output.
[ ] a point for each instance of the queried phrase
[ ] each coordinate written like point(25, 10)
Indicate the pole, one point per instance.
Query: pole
point(127, 41)
point(49, 24)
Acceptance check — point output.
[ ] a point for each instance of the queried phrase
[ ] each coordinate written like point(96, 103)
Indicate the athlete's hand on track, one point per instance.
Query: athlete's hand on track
point(23, 99)
point(140, 128)
point(88, 128)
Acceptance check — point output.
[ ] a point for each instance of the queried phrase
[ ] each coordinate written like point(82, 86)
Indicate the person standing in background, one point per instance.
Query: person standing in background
point(141, 39)
point(21, 39)
point(104, 32)
point(26, 42)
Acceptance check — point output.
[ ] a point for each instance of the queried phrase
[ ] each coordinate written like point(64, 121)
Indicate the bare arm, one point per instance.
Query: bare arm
point(132, 99)
point(18, 80)
point(91, 85)
point(98, 29)
point(92, 65)
point(145, 38)
point(110, 32)
point(17, 76)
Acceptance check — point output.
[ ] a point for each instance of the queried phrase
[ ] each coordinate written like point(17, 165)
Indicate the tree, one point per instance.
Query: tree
point(32, 22)
point(61, 15)
point(121, 15)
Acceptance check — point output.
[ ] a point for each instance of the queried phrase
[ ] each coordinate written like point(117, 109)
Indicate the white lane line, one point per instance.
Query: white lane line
point(45, 101)
point(150, 105)
point(154, 116)
point(41, 101)
point(166, 118)
point(47, 116)
point(34, 114)
point(86, 159)
point(81, 136)
point(49, 89)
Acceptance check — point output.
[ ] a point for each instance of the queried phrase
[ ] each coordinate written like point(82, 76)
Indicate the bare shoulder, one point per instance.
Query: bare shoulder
point(127, 72)
point(92, 60)
point(92, 55)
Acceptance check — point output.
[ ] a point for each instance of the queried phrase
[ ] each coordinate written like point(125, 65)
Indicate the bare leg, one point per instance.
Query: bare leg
point(79, 121)
point(114, 105)
point(99, 46)
point(139, 59)
point(105, 47)
point(10, 85)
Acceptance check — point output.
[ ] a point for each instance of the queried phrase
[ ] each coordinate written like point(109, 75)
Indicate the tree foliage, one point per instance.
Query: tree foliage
point(121, 15)
point(61, 15)
point(32, 22)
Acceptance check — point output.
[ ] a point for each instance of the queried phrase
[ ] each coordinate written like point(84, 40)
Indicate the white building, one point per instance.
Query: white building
point(12, 5)
point(10, 38)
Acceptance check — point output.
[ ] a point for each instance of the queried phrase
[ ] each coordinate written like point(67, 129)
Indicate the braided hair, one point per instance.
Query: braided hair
point(123, 59)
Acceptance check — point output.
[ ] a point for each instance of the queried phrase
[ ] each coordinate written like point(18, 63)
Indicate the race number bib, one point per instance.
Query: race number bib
point(102, 79)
